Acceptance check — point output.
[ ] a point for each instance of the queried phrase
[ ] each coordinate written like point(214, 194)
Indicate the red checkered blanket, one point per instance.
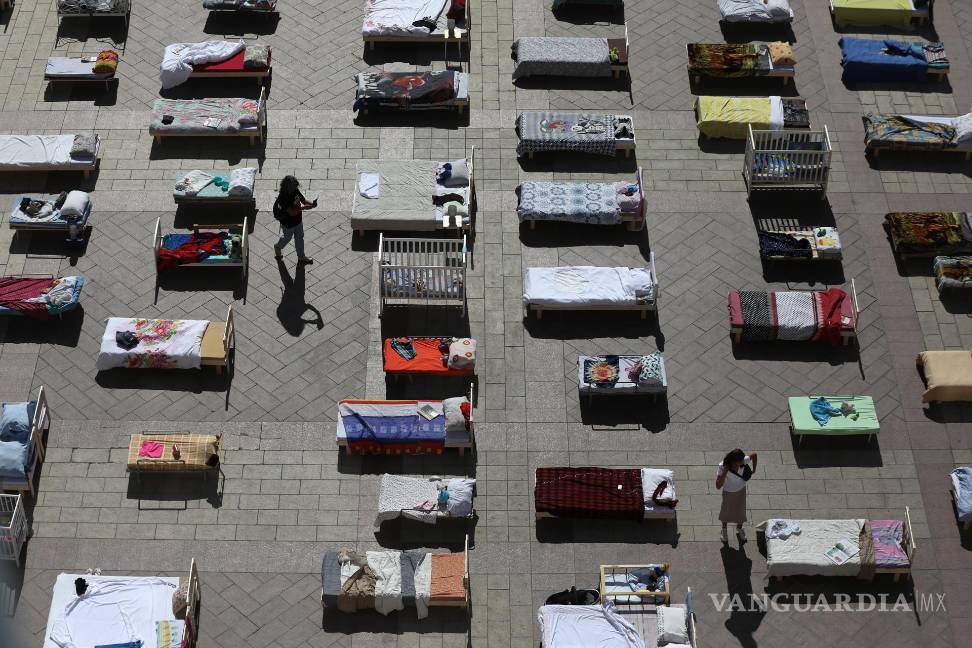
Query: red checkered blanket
point(588, 492)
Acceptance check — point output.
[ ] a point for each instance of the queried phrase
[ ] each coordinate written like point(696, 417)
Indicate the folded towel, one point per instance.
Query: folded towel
point(241, 181)
point(85, 146)
point(151, 449)
point(249, 112)
point(368, 185)
point(257, 57)
point(106, 63)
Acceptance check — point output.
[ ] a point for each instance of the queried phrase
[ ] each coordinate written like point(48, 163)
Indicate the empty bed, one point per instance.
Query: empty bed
point(901, 14)
point(592, 133)
point(49, 153)
point(625, 625)
point(590, 203)
point(424, 499)
point(156, 452)
point(731, 117)
point(799, 316)
point(605, 493)
point(590, 288)
point(947, 374)
point(929, 234)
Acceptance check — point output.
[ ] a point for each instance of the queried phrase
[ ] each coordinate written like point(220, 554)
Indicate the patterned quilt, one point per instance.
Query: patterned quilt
point(781, 244)
point(560, 131)
point(593, 203)
point(953, 273)
point(590, 492)
point(897, 131)
point(943, 232)
point(405, 89)
point(162, 344)
point(551, 56)
point(723, 60)
point(391, 427)
point(200, 116)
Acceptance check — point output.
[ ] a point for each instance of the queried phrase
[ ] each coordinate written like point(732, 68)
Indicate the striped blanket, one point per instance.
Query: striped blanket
point(391, 427)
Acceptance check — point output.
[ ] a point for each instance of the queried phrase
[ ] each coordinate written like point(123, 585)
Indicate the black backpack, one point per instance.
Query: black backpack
point(574, 596)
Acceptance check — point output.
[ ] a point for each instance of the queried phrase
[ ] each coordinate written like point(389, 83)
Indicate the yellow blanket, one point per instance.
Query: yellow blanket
point(873, 13)
point(728, 116)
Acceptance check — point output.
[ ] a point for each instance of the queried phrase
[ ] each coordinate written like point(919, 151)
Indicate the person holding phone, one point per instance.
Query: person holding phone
point(288, 209)
point(734, 472)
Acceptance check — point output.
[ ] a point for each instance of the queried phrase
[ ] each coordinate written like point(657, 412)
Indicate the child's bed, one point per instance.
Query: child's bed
point(211, 246)
point(791, 160)
point(388, 581)
point(627, 625)
point(952, 273)
point(430, 356)
point(740, 60)
point(901, 14)
point(44, 215)
point(155, 452)
point(605, 493)
point(24, 425)
point(414, 195)
point(548, 56)
point(961, 491)
point(223, 117)
point(417, 498)
point(756, 11)
point(809, 415)
point(408, 91)
point(397, 427)
point(878, 547)
point(590, 288)
point(417, 21)
point(591, 203)
point(244, 7)
point(592, 133)
point(23, 153)
point(732, 117)
point(917, 133)
point(632, 375)
point(929, 234)
point(868, 60)
point(422, 272)
point(168, 344)
point(116, 610)
point(797, 316)
point(78, 69)
point(947, 374)
point(39, 297)
point(228, 186)
point(812, 244)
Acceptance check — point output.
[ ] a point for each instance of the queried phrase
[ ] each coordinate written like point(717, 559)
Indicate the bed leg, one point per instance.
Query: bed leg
point(644, 313)
point(897, 577)
point(533, 224)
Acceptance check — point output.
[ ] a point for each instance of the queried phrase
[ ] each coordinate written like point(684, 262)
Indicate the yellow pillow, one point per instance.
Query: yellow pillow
point(781, 53)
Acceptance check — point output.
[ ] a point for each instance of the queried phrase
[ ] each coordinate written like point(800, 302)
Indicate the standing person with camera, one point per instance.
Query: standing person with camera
point(288, 209)
point(734, 472)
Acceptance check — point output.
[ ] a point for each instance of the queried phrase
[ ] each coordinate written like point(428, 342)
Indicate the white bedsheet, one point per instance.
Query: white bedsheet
point(755, 10)
point(403, 496)
point(387, 566)
point(776, 113)
point(181, 350)
point(586, 626)
point(179, 58)
point(650, 478)
point(803, 554)
point(396, 17)
point(586, 286)
point(947, 121)
point(115, 609)
point(36, 150)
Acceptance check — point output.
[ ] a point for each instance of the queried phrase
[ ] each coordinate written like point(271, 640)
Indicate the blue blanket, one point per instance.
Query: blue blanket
point(392, 430)
point(963, 498)
point(871, 60)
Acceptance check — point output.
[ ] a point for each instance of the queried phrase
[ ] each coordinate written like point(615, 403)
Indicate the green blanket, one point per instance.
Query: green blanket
point(804, 423)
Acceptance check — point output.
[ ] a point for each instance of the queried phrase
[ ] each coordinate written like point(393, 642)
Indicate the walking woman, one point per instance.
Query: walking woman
point(289, 210)
point(735, 470)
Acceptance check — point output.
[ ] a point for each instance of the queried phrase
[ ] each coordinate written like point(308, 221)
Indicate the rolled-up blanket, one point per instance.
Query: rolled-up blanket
point(257, 57)
point(85, 146)
point(241, 181)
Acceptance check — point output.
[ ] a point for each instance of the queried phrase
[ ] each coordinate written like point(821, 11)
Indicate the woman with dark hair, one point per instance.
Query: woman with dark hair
point(734, 471)
point(289, 208)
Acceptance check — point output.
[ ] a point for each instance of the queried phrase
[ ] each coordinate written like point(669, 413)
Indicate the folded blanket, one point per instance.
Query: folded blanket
point(256, 57)
point(194, 182)
point(241, 181)
point(179, 58)
point(106, 63)
point(85, 146)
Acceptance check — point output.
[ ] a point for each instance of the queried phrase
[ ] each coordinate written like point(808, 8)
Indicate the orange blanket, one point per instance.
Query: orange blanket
point(448, 573)
point(428, 359)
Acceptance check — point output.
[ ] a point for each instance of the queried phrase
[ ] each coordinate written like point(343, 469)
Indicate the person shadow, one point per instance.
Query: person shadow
point(293, 305)
point(745, 614)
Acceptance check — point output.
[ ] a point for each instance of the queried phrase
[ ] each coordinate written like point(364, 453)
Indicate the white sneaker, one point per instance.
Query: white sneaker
point(725, 537)
point(742, 534)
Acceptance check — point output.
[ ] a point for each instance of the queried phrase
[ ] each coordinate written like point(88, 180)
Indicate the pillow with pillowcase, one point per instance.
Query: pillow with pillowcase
point(456, 412)
point(460, 497)
point(15, 422)
point(453, 174)
point(672, 625)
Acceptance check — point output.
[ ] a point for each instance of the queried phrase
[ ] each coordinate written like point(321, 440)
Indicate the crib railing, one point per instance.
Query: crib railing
point(429, 272)
point(789, 159)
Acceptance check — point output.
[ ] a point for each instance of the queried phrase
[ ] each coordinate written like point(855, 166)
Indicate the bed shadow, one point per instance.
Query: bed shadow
point(949, 412)
point(164, 488)
point(95, 92)
point(812, 273)
point(926, 31)
point(418, 54)
point(560, 233)
point(409, 387)
point(799, 214)
point(945, 162)
point(441, 620)
point(228, 23)
point(196, 279)
point(742, 87)
point(826, 451)
point(559, 161)
point(224, 88)
point(721, 145)
point(189, 216)
point(43, 243)
point(445, 119)
point(562, 530)
point(644, 410)
point(577, 325)
point(59, 331)
point(745, 32)
point(831, 587)
point(196, 381)
point(49, 182)
point(796, 352)
point(109, 30)
point(425, 322)
point(231, 149)
point(930, 87)
point(591, 14)
point(595, 84)
point(450, 463)
point(11, 586)
point(405, 534)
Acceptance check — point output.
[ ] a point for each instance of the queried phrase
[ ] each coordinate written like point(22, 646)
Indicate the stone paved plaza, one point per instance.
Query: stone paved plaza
point(286, 495)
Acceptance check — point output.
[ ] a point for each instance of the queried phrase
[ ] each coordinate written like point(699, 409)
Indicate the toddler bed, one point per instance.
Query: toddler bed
point(800, 316)
point(414, 195)
point(39, 298)
point(23, 153)
point(22, 428)
point(389, 581)
point(156, 452)
point(442, 356)
point(82, 69)
point(902, 14)
point(627, 625)
point(223, 117)
point(590, 288)
point(787, 160)
point(417, 21)
point(13, 527)
point(868, 60)
point(396, 427)
point(591, 203)
point(592, 133)
point(605, 493)
point(961, 491)
point(741, 60)
point(952, 273)
point(929, 234)
point(917, 133)
point(407, 91)
point(139, 343)
point(215, 187)
point(947, 374)
point(424, 499)
point(633, 375)
point(69, 214)
point(873, 546)
point(756, 11)
point(422, 272)
point(813, 244)
point(151, 611)
point(549, 56)
point(833, 416)
point(212, 246)
point(732, 117)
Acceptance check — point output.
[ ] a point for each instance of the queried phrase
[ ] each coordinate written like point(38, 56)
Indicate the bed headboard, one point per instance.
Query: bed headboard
point(908, 537)
point(262, 107)
point(639, 179)
point(192, 602)
point(627, 43)
point(42, 417)
point(157, 241)
point(857, 308)
point(690, 617)
point(654, 275)
point(229, 335)
point(465, 571)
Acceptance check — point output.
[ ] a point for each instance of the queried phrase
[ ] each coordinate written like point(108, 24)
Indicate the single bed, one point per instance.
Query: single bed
point(169, 344)
point(628, 625)
point(429, 356)
point(788, 160)
point(961, 490)
point(250, 63)
point(417, 21)
point(97, 618)
point(809, 415)
point(604, 493)
point(215, 187)
point(422, 272)
point(219, 117)
point(22, 153)
point(811, 244)
point(82, 69)
point(902, 14)
point(244, 7)
point(408, 91)
point(929, 234)
point(592, 133)
point(740, 60)
point(567, 56)
point(43, 214)
point(796, 316)
point(756, 11)
point(39, 297)
point(732, 117)
point(947, 374)
point(631, 375)
point(874, 547)
point(590, 288)
point(210, 246)
point(395, 427)
point(95, 9)
point(590, 203)
point(917, 133)
point(155, 452)
point(24, 424)
point(214, 59)
point(952, 273)
point(418, 499)
point(414, 195)
point(388, 581)
point(869, 60)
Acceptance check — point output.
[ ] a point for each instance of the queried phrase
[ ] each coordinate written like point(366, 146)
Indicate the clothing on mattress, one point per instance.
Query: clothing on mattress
point(888, 537)
point(590, 492)
point(593, 203)
point(182, 249)
point(875, 13)
point(781, 244)
point(953, 273)
point(404, 89)
point(389, 426)
point(962, 488)
point(561, 56)
point(822, 410)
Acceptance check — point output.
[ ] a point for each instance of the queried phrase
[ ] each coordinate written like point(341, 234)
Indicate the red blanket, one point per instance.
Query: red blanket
point(14, 291)
point(197, 248)
point(590, 492)
point(831, 302)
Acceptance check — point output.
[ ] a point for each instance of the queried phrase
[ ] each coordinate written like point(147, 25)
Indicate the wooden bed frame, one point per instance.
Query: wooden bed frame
point(644, 309)
point(259, 75)
point(219, 342)
point(804, 234)
point(845, 336)
point(786, 74)
point(253, 134)
point(38, 426)
point(242, 263)
point(175, 465)
point(452, 34)
point(633, 222)
point(918, 16)
point(461, 447)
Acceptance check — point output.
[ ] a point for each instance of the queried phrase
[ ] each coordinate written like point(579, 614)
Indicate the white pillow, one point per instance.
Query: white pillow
point(454, 419)
point(458, 174)
point(672, 625)
point(462, 354)
point(963, 129)
point(75, 203)
point(460, 497)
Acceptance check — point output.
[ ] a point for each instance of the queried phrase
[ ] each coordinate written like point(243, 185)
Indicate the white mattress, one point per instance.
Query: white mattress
point(396, 17)
point(585, 626)
point(145, 600)
point(405, 191)
point(623, 386)
point(26, 151)
point(72, 66)
point(803, 554)
point(776, 113)
point(755, 11)
point(579, 286)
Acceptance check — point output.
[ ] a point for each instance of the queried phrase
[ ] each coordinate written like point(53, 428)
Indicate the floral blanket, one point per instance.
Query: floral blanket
point(202, 116)
point(560, 131)
point(403, 90)
point(943, 232)
point(162, 344)
point(723, 60)
point(897, 131)
point(594, 203)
